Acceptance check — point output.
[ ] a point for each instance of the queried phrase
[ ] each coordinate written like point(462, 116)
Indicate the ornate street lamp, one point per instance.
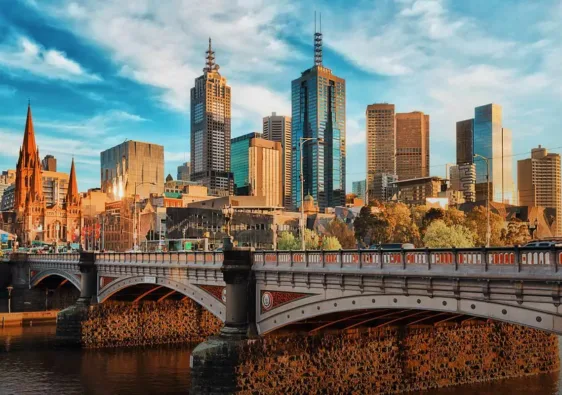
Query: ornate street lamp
point(228, 213)
point(9, 288)
point(533, 227)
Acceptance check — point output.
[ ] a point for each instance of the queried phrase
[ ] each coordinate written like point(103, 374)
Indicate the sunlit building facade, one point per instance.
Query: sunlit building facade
point(412, 145)
point(265, 171)
point(318, 112)
point(278, 128)
point(240, 162)
point(381, 144)
point(493, 141)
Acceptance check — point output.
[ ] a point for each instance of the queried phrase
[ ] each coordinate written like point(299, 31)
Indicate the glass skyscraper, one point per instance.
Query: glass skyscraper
point(240, 162)
point(318, 112)
point(493, 141)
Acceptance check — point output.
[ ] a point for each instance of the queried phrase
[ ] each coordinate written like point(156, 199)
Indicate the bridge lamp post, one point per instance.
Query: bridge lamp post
point(488, 230)
point(302, 141)
point(9, 288)
point(532, 228)
point(136, 224)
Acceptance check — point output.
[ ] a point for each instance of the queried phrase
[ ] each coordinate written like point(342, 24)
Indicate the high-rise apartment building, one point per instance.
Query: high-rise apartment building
point(278, 128)
point(383, 187)
point(465, 141)
point(358, 188)
point(493, 141)
point(240, 162)
point(130, 167)
point(210, 129)
point(463, 179)
point(412, 145)
point(538, 181)
point(184, 172)
point(318, 113)
point(381, 142)
point(49, 163)
point(266, 171)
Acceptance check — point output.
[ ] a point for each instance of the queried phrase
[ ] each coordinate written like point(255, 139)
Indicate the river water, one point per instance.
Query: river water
point(31, 364)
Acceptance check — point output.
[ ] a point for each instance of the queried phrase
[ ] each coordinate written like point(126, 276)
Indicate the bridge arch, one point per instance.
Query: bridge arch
point(207, 301)
point(40, 276)
point(531, 316)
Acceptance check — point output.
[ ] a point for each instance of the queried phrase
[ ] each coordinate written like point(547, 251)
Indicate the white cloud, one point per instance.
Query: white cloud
point(22, 54)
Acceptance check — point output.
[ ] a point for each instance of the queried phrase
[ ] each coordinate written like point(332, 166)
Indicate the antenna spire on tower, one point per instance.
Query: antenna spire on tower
point(318, 42)
point(210, 64)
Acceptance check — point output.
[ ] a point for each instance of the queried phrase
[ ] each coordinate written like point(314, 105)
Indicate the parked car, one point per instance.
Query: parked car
point(543, 243)
point(392, 246)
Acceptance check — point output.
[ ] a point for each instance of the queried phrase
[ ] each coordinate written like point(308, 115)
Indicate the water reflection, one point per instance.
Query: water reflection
point(30, 363)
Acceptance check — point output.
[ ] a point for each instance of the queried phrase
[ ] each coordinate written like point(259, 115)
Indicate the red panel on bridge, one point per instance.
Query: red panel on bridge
point(217, 291)
point(106, 280)
point(273, 299)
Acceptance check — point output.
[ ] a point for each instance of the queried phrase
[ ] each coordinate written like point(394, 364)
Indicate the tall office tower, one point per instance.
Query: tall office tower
point(184, 172)
point(278, 128)
point(465, 141)
point(538, 181)
point(381, 143)
point(492, 141)
point(240, 162)
point(358, 188)
point(130, 167)
point(266, 170)
point(318, 113)
point(383, 187)
point(210, 129)
point(412, 145)
point(49, 163)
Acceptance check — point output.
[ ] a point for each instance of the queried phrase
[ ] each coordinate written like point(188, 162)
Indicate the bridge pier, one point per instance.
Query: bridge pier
point(69, 320)
point(214, 362)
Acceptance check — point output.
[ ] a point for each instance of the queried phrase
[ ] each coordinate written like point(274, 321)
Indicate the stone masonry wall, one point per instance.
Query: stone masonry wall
point(394, 360)
point(118, 324)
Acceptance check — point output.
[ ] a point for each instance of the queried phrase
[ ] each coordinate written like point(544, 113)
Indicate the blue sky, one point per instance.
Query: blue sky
point(99, 72)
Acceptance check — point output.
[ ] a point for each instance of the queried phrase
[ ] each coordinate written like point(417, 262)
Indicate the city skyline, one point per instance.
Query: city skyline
point(101, 90)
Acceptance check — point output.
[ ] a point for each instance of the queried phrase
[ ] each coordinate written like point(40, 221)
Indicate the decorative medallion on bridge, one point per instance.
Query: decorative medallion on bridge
point(33, 273)
point(273, 299)
point(106, 280)
point(216, 291)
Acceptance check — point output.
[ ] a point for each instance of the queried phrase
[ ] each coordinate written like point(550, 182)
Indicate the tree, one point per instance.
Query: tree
point(476, 221)
point(454, 216)
point(342, 233)
point(371, 228)
point(418, 214)
point(331, 243)
point(311, 240)
point(439, 235)
point(288, 241)
point(402, 228)
point(431, 215)
point(516, 233)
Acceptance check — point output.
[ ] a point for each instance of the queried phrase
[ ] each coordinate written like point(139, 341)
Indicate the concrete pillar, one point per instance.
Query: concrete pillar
point(213, 362)
point(69, 320)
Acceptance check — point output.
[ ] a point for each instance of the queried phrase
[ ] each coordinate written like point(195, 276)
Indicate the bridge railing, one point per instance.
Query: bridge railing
point(65, 257)
point(517, 257)
point(161, 258)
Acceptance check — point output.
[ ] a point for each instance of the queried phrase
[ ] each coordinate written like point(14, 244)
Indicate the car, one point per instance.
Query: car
point(392, 246)
point(544, 243)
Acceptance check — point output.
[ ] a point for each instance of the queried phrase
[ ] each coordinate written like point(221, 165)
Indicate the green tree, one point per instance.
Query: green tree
point(311, 240)
point(288, 241)
point(331, 243)
point(433, 214)
point(476, 221)
point(439, 235)
point(371, 227)
point(342, 233)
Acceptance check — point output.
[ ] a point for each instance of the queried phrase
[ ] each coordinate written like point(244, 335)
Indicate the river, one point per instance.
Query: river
point(31, 364)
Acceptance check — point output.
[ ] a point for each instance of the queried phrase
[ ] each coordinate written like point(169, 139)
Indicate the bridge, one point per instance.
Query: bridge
point(269, 290)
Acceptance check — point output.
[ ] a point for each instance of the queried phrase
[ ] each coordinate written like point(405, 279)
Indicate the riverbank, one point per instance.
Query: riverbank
point(28, 318)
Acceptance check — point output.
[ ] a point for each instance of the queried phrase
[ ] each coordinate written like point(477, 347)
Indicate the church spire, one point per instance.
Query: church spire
point(318, 42)
point(72, 197)
point(210, 64)
point(29, 146)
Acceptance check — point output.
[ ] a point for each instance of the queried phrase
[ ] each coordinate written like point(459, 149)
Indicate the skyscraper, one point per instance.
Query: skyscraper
point(538, 181)
point(381, 143)
point(278, 128)
point(49, 163)
point(318, 113)
point(465, 142)
point(184, 172)
point(210, 129)
point(265, 171)
point(493, 141)
point(240, 162)
point(412, 145)
point(358, 188)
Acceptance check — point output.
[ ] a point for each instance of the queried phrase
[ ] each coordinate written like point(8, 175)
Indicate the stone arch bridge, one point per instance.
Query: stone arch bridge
point(266, 291)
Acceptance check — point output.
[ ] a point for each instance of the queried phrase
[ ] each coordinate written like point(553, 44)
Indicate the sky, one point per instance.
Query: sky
point(98, 72)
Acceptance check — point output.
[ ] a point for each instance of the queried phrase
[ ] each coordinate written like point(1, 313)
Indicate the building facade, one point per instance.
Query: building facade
point(184, 172)
point(465, 141)
point(318, 113)
point(278, 128)
point(383, 187)
point(463, 179)
point(211, 129)
point(240, 162)
point(412, 145)
point(34, 219)
point(493, 141)
point(381, 143)
point(417, 191)
point(49, 163)
point(538, 180)
point(130, 167)
point(358, 188)
point(266, 171)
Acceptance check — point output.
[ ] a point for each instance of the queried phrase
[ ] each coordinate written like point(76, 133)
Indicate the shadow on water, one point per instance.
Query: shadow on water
point(30, 363)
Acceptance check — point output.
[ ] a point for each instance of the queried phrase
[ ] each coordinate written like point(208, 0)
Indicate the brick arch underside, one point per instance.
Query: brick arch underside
point(202, 298)
point(37, 278)
point(531, 315)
